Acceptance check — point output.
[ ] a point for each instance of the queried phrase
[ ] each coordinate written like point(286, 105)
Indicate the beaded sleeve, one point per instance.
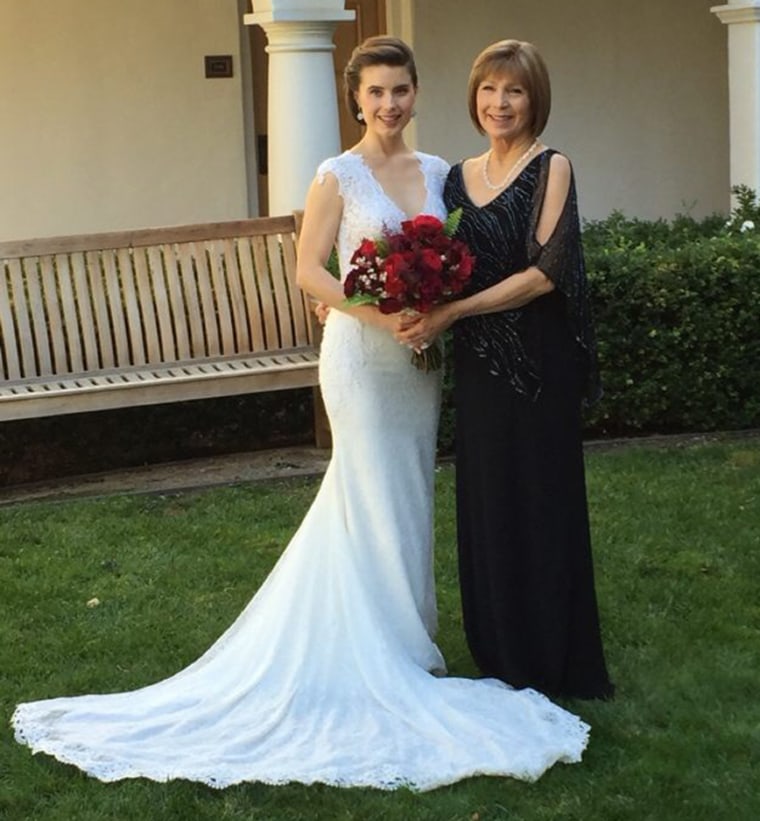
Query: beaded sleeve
point(561, 259)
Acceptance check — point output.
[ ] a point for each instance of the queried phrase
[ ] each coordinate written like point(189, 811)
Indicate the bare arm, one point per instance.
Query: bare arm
point(321, 220)
point(512, 292)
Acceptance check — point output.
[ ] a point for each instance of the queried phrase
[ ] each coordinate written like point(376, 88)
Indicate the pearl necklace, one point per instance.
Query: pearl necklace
point(499, 186)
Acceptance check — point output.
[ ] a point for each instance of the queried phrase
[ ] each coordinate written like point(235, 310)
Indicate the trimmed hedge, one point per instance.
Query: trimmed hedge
point(677, 310)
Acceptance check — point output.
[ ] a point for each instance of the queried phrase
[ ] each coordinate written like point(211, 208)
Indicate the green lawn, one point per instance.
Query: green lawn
point(677, 544)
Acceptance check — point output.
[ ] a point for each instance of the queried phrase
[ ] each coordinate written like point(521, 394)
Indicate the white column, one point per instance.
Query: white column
point(302, 124)
point(743, 21)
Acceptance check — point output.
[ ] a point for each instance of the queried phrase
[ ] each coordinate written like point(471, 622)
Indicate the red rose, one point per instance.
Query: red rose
point(423, 226)
point(396, 264)
point(394, 284)
point(349, 284)
point(431, 287)
point(430, 260)
point(368, 248)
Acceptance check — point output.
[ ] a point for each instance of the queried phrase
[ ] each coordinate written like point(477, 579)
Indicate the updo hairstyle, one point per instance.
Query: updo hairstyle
point(375, 51)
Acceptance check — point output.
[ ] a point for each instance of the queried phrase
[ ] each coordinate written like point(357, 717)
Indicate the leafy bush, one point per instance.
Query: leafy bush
point(677, 308)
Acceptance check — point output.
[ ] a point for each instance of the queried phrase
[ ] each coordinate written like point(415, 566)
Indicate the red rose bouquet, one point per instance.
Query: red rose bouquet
point(421, 266)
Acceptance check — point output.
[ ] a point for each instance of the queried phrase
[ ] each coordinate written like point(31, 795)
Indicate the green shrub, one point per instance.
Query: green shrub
point(677, 310)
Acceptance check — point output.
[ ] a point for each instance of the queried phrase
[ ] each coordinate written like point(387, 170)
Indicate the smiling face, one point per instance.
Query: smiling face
point(516, 63)
point(504, 108)
point(386, 98)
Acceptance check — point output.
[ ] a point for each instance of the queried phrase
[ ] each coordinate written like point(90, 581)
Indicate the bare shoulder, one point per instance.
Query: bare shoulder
point(560, 176)
point(324, 188)
point(560, 167)
point(323, 209)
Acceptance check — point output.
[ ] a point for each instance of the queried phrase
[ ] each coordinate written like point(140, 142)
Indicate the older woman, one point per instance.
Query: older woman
point(524, 361)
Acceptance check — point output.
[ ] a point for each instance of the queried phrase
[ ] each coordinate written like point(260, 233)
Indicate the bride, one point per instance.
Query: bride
point(331, 673)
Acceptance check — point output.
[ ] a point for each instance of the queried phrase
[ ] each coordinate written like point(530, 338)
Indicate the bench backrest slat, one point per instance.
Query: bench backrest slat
point(18, 295)
point(280, 293)
point(86, 324)
point(96, 284)
point(132, 307)
point(54, 312)
point(203, 331)
point(37, 316)
point(206, 292)
point(73, 305)
point(8, 349)
point(235, 290)
point(221, 299)
point(159, 301)
point(176, 303)
point(148, 307)
point(112, 286)
point(265, 293)
point(252, 301)
point(69, 316)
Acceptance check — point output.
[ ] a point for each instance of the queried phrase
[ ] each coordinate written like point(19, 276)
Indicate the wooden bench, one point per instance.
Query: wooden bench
point(156, 315)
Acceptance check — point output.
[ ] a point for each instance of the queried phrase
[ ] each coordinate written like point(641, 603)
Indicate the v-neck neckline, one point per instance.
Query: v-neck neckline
point(362, 159)
point(504, 190)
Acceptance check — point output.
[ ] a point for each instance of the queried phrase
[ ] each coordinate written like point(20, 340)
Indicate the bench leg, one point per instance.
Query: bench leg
point(322, 433)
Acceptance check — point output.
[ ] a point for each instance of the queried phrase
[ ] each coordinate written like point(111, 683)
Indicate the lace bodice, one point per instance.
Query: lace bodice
point(367, 210)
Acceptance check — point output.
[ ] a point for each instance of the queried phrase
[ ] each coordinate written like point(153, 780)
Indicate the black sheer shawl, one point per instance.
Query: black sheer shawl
point(561, 259)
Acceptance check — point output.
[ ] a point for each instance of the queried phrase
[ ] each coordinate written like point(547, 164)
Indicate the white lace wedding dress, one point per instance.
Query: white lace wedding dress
point(331, 674)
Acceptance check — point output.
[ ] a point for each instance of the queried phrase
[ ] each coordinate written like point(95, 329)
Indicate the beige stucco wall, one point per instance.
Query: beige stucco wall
point(107, 122)
point(106, 118)
point(640, 94)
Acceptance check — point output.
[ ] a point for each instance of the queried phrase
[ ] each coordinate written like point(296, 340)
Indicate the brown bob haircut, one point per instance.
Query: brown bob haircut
point(375, 51)
point(523, 61)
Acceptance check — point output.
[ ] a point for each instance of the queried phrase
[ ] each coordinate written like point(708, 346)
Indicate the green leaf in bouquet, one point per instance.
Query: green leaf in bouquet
point(452, 222)
point(360, 299)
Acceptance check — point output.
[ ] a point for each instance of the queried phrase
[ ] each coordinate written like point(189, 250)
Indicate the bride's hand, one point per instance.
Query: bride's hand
point(321, 309)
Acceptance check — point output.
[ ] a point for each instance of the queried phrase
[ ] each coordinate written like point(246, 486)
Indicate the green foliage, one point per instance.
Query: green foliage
point(333, 265)
point(745, 215)
point(677, 561)
point(361, 299)
point(451, 224)
point(677, 311)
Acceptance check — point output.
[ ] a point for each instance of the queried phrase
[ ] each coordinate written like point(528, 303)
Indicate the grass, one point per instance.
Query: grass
point(677, 545)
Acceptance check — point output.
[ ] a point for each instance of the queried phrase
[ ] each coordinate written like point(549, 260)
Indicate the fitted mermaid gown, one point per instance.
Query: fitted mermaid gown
point(331, 674)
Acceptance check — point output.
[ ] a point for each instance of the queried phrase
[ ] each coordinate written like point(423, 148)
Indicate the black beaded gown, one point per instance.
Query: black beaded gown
point(527, 579)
